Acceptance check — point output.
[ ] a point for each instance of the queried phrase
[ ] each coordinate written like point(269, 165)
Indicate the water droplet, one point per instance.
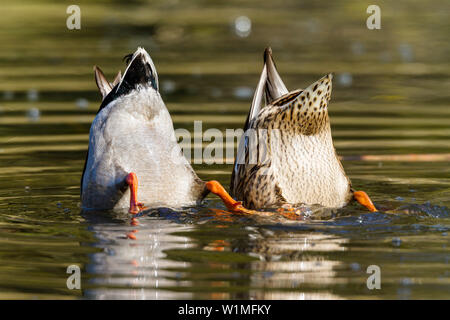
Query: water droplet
point(27, 189)
point(168, 86)
point(399, 199)
point(355, 266)
point(357, 48)
point(345, 79)
point(243, 92)
point(406, 52)
point(406, 281)
point(33, 114)
point(82, 103)
point(396, 242)
point(243, 26)
point(32, 95)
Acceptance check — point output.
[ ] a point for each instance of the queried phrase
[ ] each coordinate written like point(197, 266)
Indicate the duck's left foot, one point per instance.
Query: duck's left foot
point(364, 200)
point(132, 182)
point(231, 204)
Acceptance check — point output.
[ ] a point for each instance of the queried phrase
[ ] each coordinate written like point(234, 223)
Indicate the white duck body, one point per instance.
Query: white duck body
point(134, 133)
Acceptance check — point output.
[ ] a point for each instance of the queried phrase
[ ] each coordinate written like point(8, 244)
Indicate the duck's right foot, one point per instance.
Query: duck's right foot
point(136, 208)
point(132, 182)
point(231, 204)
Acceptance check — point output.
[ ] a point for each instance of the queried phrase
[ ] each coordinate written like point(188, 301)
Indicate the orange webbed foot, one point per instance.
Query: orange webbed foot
point(136, 208)
point(231, 204)
point(364, 200)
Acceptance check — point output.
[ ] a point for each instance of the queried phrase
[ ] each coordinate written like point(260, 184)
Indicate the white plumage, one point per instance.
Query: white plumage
point(134, 133)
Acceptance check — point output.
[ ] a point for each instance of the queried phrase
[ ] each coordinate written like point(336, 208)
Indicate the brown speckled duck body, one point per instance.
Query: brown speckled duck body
point(287, 155)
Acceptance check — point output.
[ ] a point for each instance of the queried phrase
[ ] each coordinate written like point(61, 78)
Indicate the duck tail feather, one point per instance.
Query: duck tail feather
point(275, 87)
point(103, 85)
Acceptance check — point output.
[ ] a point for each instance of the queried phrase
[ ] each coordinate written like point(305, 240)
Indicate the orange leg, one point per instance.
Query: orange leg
point(231, 204)
point(132, 182)
point(364, 200)
point(237, 207)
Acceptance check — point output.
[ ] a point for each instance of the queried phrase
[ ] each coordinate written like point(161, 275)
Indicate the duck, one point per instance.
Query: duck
point(133, 151)
point(286, 155)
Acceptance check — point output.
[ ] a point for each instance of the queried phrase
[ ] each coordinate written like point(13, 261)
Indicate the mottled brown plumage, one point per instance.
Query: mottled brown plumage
point(287, 154)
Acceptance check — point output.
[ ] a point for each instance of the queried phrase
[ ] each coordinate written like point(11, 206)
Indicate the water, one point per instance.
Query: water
point(390, 122)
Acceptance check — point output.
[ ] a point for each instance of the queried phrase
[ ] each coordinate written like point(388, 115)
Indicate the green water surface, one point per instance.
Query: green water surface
point(390, 118)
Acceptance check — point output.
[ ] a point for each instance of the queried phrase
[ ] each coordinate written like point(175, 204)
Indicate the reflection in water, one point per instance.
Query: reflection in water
point(283, 262)
point(302, 271)
point(205, 255)
point(136, 269)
